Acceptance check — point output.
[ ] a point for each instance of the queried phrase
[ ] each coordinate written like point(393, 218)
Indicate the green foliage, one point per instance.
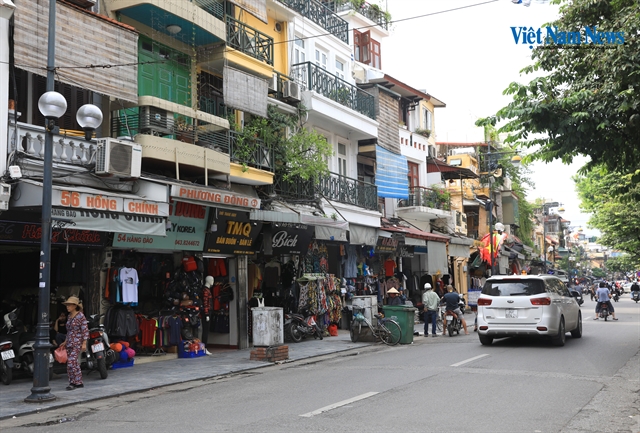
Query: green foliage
point(302, 153)
point(437, 198)
point(598, 273)
point(625, 264)
point(611, 198)
point(586, 101)
point(424, 132)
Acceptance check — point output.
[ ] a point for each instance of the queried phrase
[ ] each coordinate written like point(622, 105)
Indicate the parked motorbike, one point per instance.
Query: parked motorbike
point(635, 296)
point(6, 352)
point(454, 324)
point(98, 355)
point(24, 342)
point(604, 311)
point(300, 326)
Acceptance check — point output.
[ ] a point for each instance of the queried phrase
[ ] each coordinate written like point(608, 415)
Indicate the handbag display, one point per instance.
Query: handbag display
point(189, 264)
point(60, 354)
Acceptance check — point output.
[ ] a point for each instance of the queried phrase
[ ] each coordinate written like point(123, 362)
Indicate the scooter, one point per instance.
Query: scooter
point(301, 326)
point(616, 296)
point(635, 296)
point(98, 355)
point(24, 342)
point(6, 352)
point(604, 311)
point(454, 324)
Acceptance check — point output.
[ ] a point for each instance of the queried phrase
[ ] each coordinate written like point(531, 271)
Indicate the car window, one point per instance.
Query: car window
point(519, 287)
point(564, 290)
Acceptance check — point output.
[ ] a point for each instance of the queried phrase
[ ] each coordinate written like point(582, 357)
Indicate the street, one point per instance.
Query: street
point(443, 384)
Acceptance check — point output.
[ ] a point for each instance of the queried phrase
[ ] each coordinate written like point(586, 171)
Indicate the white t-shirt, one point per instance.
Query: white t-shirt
point(129, 279)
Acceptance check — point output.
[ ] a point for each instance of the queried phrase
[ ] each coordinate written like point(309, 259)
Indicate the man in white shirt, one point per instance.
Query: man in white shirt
point(430, 301)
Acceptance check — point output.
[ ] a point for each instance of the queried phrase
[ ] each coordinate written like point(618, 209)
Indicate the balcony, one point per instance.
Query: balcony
point(250, 153)
point(315, 78)
point(425, 204)
point(368, 10)
point(321, 15)
point(333, 187)
point(249, 41)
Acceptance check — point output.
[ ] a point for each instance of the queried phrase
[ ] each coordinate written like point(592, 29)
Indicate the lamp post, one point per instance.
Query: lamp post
point(52, 105)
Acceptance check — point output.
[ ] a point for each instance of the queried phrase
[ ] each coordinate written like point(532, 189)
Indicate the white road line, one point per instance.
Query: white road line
point(458, 364)
point(338, 404)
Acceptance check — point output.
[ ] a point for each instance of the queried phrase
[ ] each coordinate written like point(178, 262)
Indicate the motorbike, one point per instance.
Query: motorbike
point(22, 342)
point(6, 353)
point(635, 296)
point(604, 311)
point(616, 296)
point(454, 324)
point(98, 356)
point(300, 326)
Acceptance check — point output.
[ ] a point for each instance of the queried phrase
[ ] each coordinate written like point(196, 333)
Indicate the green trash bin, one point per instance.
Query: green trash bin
point(405, 316)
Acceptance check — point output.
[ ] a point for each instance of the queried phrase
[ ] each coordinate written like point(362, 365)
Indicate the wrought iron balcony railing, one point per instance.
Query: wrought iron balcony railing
point(371, 11)
point(427, 197)
point(250, 41)
point(321, 15)
point(312, 77)
point(252, 152)
point(333, 187)
point(277, 92)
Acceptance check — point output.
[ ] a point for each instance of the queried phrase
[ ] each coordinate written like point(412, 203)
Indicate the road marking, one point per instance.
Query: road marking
point(338, 404)
point(458, 364)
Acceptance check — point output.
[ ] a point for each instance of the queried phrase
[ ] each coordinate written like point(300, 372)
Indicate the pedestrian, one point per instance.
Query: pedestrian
point(76, 341)
point(430, 301)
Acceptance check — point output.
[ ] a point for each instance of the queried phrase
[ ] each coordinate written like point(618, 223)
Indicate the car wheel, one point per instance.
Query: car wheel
point(559, 339)
point(485, 340)
point(577, 333)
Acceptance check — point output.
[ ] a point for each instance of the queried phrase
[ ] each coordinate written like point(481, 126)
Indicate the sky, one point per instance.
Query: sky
point(466, 58)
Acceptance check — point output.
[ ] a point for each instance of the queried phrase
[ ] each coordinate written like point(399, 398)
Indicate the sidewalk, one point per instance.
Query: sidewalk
point(145, 375)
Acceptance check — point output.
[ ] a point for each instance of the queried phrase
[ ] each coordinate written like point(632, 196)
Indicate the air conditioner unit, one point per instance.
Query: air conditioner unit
point(461, 223)
point(273, 83)
point(291, 90)
point(155, 121)
point(118, 158)
point(432, 152)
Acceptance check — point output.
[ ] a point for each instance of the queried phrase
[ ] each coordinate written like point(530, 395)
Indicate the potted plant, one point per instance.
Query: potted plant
point(424, 132)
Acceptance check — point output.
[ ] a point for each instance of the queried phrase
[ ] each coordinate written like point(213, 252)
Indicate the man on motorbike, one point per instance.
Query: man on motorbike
point(635, 287)
point(603, 296)
point(451, 298)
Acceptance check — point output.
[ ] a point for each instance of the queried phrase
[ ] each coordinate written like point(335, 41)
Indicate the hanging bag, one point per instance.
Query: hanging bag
point(60, 354)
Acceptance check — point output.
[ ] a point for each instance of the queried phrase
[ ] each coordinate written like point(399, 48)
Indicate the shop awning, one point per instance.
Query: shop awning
point(449, 171)
point(84, 208)
point(417, 234)
point(458, 250)
point(415, 242)
point(437, 260)
point(362, 235)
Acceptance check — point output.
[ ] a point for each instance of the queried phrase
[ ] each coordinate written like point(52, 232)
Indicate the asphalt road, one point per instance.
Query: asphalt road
point(443, 384)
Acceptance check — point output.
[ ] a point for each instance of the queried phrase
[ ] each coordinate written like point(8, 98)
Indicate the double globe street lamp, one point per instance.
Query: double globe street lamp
point(52, 105)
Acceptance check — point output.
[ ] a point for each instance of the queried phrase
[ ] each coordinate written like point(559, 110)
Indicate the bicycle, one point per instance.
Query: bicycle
point(386, 329)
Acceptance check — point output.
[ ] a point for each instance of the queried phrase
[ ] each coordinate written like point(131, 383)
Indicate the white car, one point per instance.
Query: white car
point(527, 305)
point(626, 287)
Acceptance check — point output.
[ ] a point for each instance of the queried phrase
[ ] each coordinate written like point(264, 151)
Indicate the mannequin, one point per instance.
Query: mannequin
point(207, 303)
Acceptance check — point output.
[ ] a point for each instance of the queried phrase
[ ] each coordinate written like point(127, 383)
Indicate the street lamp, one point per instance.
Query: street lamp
point(545, 213)
point(52, 105)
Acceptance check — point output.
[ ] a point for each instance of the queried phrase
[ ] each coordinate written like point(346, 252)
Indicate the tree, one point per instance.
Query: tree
point(624, 264)
point(598, 273)
point(587, 101)
point(614, 212)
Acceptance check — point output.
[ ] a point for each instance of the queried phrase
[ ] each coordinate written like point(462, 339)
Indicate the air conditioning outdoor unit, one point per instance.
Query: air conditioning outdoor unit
point(118, 158)
point(155, 120)
point(461, 223)
point(273, 83)
point(291, 90)
point(432, 152)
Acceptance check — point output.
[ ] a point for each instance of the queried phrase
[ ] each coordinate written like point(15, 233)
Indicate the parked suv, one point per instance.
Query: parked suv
point(538, 305)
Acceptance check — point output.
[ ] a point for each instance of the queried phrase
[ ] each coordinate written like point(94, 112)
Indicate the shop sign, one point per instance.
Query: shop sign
point(212, 197)
point(31, 233)
point(101, 202)
point(386, 245)
point(406, 251)
point(288, 238)
point(235, 234)
point(185, 230)
point(103, 221)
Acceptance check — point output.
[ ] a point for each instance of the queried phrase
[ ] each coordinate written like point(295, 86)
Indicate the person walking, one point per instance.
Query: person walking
point(430, 301)
point(76, 341)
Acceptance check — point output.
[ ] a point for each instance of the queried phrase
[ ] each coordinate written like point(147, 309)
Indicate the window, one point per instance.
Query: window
point(342, 159)
point(321, 59)
point(414, 176)
point(299, 55)
point(339, 69)
point(366, 50)
point(428, 119)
